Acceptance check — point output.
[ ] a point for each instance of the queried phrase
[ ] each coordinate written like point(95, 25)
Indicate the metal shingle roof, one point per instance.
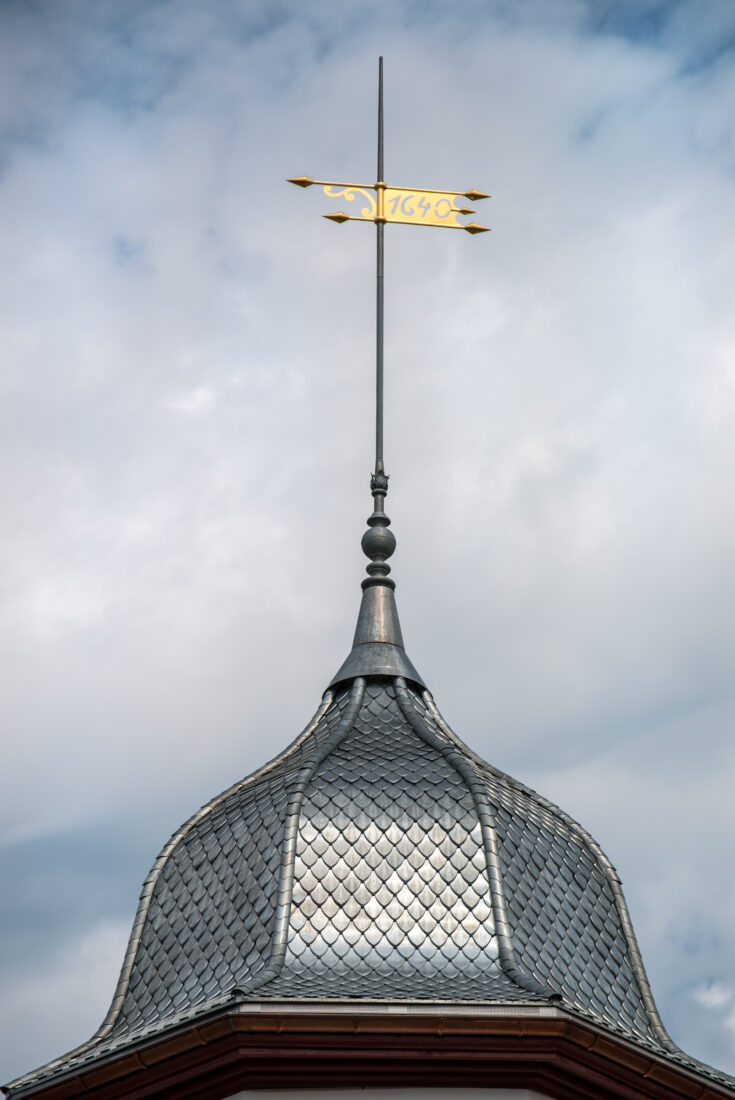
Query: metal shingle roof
point(378, 859)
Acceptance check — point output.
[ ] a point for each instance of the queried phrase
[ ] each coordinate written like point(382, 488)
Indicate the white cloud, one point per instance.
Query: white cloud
point(713, 995)
point(194, 402)
point(187, 388)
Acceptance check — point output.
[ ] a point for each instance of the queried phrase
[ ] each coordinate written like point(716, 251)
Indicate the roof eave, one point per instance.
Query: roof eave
point(262, 1045)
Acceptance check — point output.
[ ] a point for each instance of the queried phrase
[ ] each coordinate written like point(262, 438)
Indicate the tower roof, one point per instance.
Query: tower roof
point(378, 859)
point(376, 862)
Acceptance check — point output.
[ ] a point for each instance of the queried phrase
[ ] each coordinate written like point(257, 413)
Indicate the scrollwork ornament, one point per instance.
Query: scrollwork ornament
point(349, 194)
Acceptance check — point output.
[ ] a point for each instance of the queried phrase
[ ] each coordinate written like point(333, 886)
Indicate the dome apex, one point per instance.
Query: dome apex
point(377, 648)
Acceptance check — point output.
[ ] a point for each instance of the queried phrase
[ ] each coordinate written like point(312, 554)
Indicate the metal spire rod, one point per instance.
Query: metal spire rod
point(380, 227)
point(378, 645)
point(404, 206)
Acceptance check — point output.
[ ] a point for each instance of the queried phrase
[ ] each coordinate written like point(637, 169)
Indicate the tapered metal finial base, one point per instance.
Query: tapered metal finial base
point(377, 648)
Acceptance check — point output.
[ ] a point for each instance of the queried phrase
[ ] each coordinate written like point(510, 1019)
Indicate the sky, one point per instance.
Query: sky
point(186, 434)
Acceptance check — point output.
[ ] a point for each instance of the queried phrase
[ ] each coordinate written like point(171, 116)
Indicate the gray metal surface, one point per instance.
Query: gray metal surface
point(380, 293)
point(391, 896)
point(377, 647)
point(379, 860)
point(377, 659)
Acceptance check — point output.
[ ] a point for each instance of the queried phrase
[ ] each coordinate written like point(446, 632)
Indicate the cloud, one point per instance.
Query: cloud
point(195, 402)
point(63, 1001)
point(713, 995)
point(187, 402)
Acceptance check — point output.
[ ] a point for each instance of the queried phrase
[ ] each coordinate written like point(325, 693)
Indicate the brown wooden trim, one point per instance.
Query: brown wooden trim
point(554, 1055)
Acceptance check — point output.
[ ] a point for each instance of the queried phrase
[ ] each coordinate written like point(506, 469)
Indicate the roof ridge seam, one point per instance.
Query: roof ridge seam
point(517, 784)
point(594, 848)
point(146, 895)
point(463, 768)
point(290, 835)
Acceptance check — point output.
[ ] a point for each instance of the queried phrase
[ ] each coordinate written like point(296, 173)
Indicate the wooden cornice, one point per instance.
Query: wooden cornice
point(558, 1056)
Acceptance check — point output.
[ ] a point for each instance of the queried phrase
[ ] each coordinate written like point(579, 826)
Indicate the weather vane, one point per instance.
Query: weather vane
point(406, 206)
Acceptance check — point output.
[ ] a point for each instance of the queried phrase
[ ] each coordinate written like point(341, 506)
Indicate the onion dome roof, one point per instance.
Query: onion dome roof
point(378, 861)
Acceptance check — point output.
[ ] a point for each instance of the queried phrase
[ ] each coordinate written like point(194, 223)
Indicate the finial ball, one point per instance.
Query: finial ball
point(378, 543)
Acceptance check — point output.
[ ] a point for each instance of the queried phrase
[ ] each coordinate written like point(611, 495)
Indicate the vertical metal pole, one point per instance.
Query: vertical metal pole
point(379, 300)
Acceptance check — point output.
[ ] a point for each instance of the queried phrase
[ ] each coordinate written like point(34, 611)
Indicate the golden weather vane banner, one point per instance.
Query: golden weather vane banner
point(403, 205)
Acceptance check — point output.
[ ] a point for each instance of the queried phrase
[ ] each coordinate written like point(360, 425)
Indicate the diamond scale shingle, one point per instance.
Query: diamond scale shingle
point(407, 869)
point(194, 941)
point(567, 922)
point(408, 872)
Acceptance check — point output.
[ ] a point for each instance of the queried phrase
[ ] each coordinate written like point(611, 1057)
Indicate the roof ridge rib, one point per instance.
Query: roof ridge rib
point(463, 767)
point(290, 835)
point(149, 885)
point(594, 848)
